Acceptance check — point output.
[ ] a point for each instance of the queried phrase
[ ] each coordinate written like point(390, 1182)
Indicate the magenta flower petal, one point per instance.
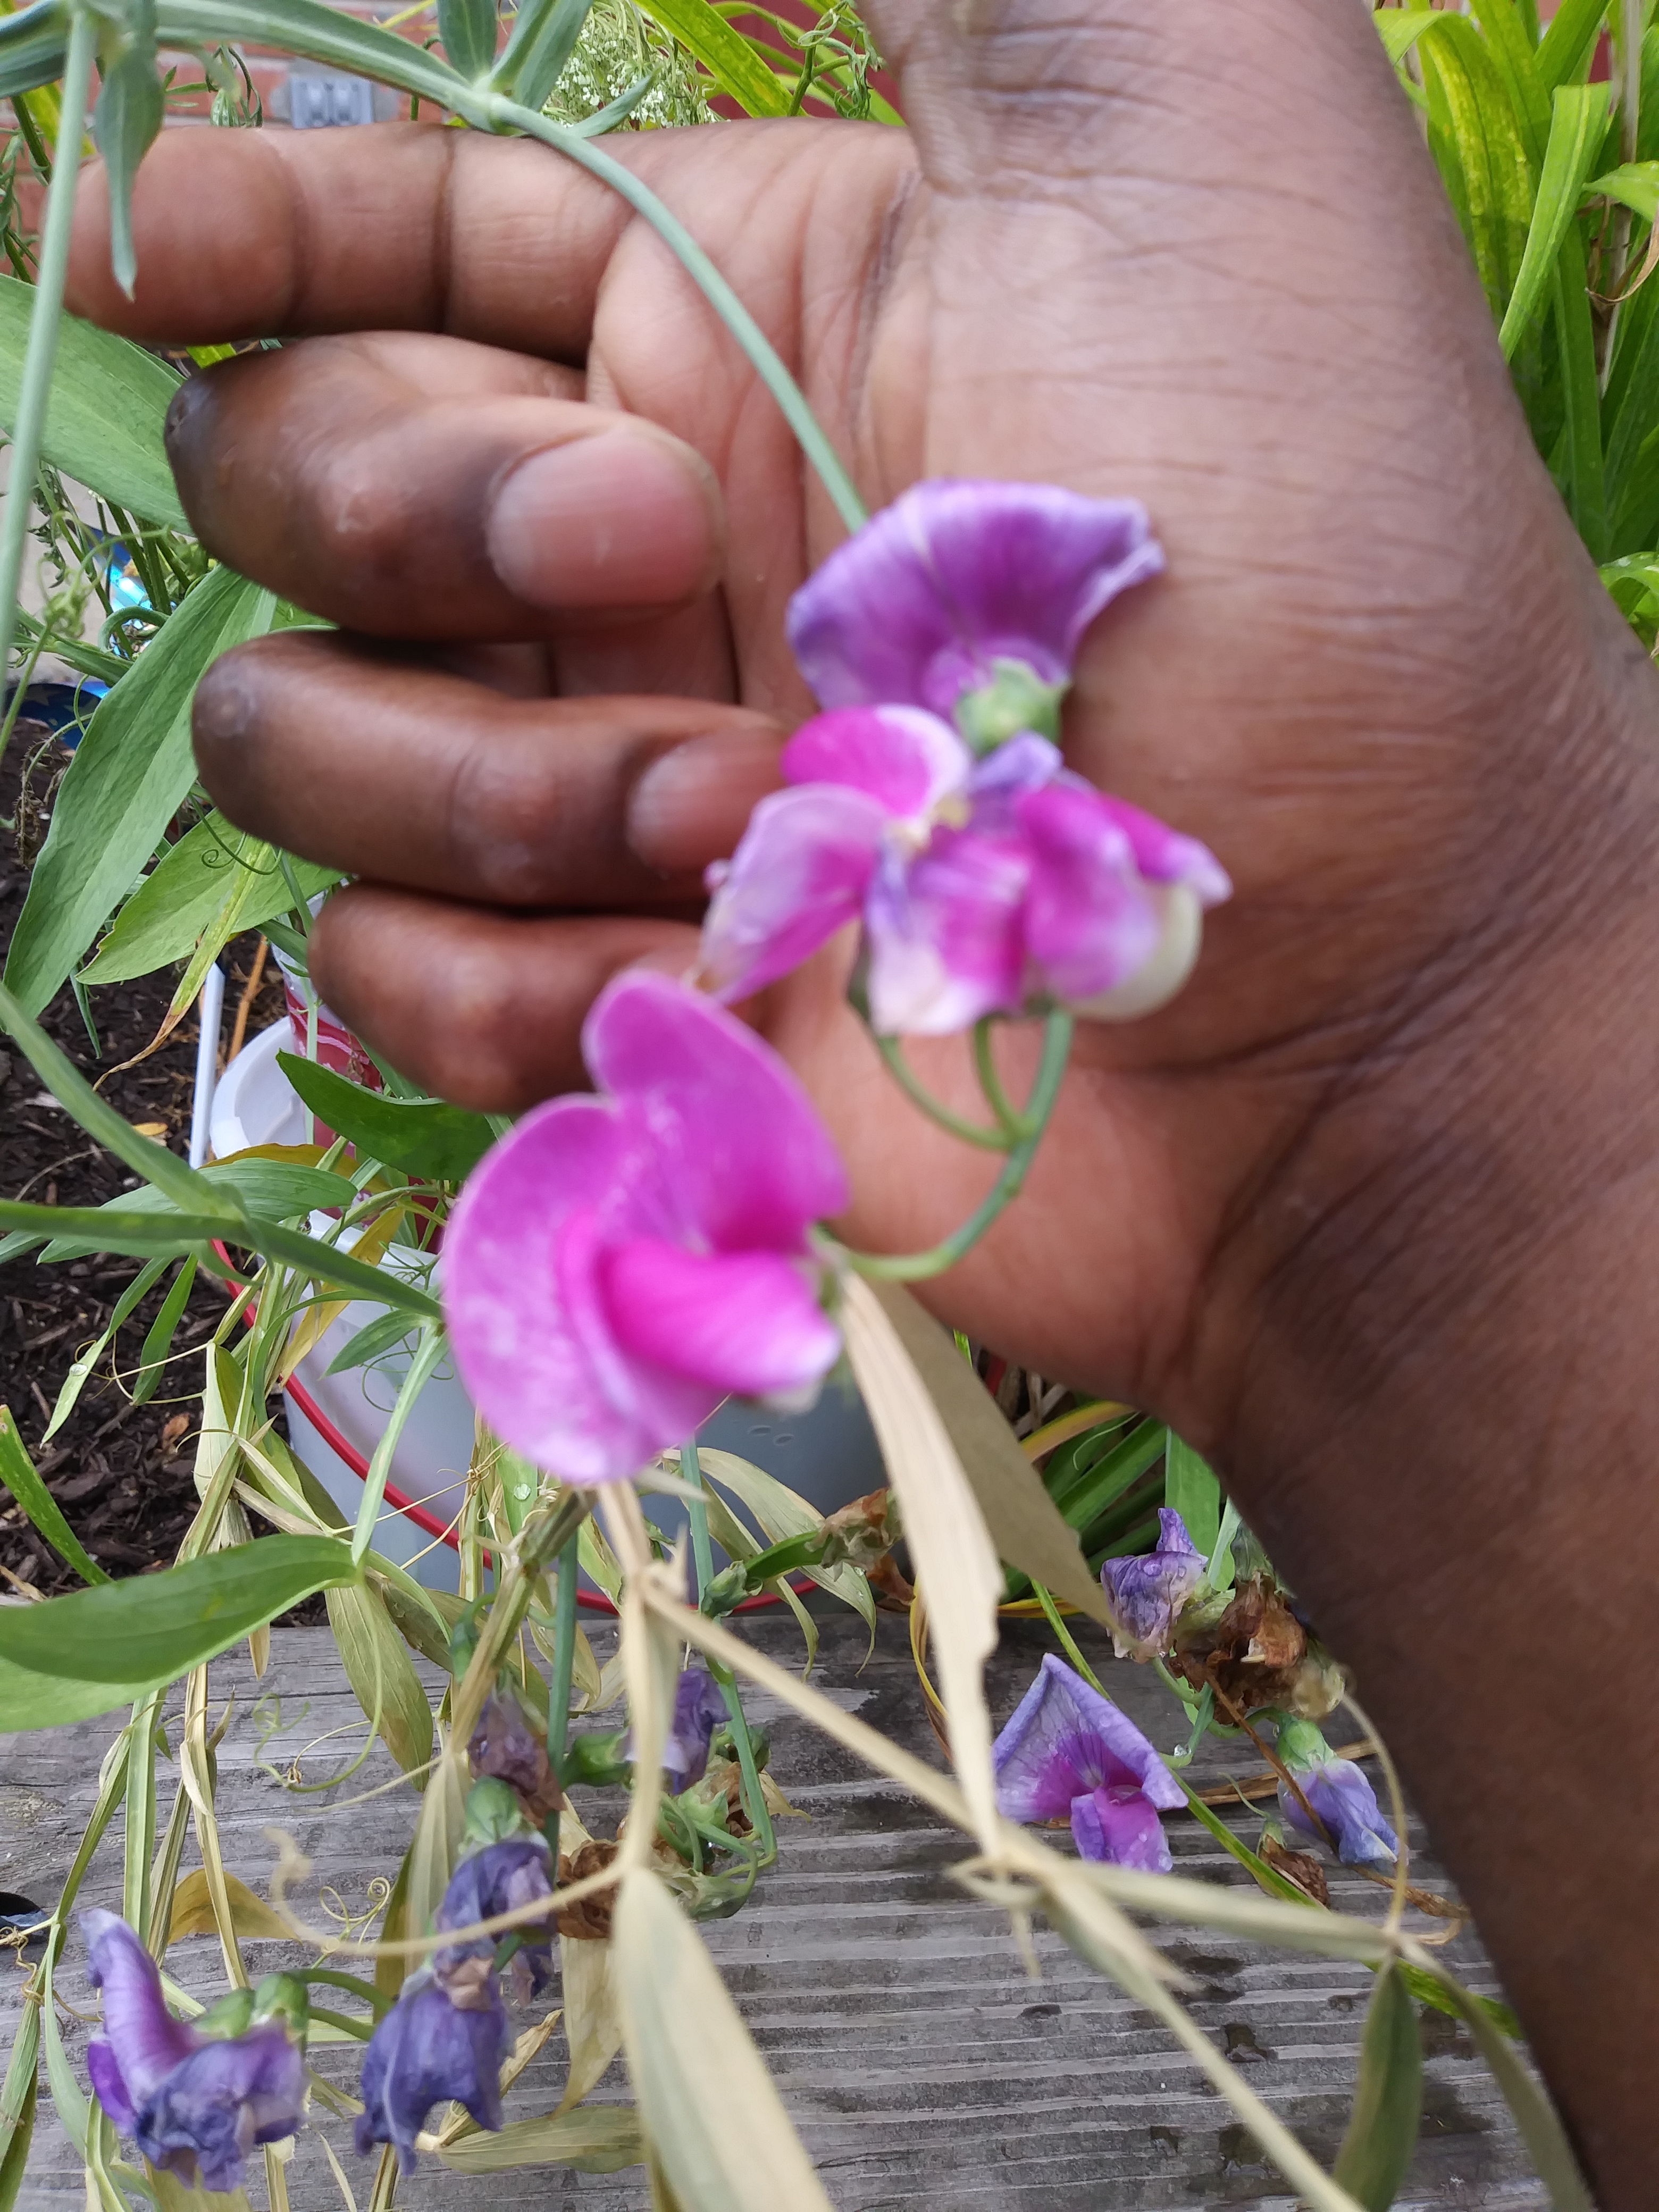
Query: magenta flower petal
point(945, 935)
point(958, 574)
point(752, 1161)
point(708, 1148)
point(1163, 855)
point(140, 2035)
point(905, 760)
point(1066, 1748)
point(799, 874)
point(748, 1322)
point(1121, 1827)
point(1089, 922)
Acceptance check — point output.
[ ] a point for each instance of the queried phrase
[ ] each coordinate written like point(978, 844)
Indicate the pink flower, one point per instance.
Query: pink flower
point(958, 579)
point(618, 1266)
point(984, 885)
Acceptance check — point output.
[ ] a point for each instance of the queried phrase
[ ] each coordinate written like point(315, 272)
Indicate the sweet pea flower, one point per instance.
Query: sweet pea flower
point(618, 1265)
point(984, 886)
point(425, 2052)
point(500, 1878)
point(699, 1709)
point(194, 2105)
point(961, 584)
point(1340, 1794)
point(1148, 1591)
point(1069, 1751)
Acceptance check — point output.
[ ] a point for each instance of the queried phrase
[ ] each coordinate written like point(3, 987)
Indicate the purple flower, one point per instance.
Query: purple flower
point(920, 606)
point(1148, 1592)
point(193, 2104)
point(699, 1709)
point(1069, 1751)
point(1339, 1793)
point(984, 886)
point(500, 1878)
point(426, 2050)
point(618, 1266)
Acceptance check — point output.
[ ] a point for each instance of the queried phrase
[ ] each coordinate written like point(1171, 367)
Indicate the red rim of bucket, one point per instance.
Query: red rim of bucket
point(428, 1523)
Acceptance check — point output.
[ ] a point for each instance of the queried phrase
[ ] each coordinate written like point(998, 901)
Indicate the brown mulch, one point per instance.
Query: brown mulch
point(121, 1473)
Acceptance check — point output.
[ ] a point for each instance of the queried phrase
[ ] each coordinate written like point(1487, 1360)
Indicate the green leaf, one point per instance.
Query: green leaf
point(74, 1381)
point(155, 1162)
point(158, 1339)
point(315, 31)
point(150, 1629)
point(1514, 56)
point(1400, 29)
point(467, 29)
point(544, 37)
point(1193, 1491)
point(126, 119)
point(19, 2101)
point(1477, 144)
point(107, 412)
point(377, 1666)
point(1541, 2131)
point(18, 1474)
point(1089, 1494)
point(271, 1189)
point(33, 1700)
point(593, 2139)
point(725, 53)
point(388, 1334)
point(1634, 185)
point(1387, 2102)
point(187, 890)
point(33, 45)
point(1576, 122)
point(125, 782)
point(1583, 481)
point(440, 1143)
point(1570, 41)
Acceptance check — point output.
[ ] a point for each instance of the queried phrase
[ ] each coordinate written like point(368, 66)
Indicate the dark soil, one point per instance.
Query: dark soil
point(121, 1473)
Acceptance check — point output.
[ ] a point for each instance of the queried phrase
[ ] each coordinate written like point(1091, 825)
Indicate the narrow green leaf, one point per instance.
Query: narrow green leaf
point(74, 1381)
point(125, 782)
point(1576, 122)
point(45, 1515)
point(32, 1701)
point(1400, 28)
point(1513, 54)
point(544, 37)
point(724, 52)
point(428, 1139)
point(33, 45)
point(158, 1340)
point(1388, 2103)
point(187, 890)
point(126, 120)
point(377, 1666)
point(107, 413)
point(1584, 485)
point(158, 1166)
point(390, 1333)
point(19, 2101)
point(1087, 1496)
point(150, 1629)
point(1266, 1877)
point(467, 29)
point(1634, 185)
point(1541, 2131)
point(1482, 154)
point(1193, 1491)
point(317, 33)
point(593, 2139)
point(1570, 41)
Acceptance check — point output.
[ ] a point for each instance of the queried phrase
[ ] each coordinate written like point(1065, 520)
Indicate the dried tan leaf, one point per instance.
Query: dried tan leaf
point(950, 1551)
point(592, 2017)
point(710, 2109)
point(1026, 1526)
point(597, 2139)
point(193, 1910)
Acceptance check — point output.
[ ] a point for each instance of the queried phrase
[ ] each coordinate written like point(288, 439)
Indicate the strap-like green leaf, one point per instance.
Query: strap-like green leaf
point(316, 33)
point(126, 119)
point(423, 1137)
point(1388, 2101)
point(1576, 122)
point(1400, 28)
point(1516, 63)
point(1570, 41)
point(1583, 476)
point(128, 774)
point(150, 1629)
point(724, 52)
point(1193, 1491)
point(18, 1473)
point(468, 30)
point(107, 411)
point(1480, 151)
point(1634, 185)
point(33, 44)
point(544, 35)
point(214, 871)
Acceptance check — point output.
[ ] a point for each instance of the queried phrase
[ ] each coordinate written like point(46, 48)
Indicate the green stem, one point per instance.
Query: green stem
point(912, 1266)
point(1067, 1640)
point(989, 1081)
point(428, 1353)
point(493, 111)
point(703, 1555)
point(972, 1132)
point(47, 309)
point(564, 1655)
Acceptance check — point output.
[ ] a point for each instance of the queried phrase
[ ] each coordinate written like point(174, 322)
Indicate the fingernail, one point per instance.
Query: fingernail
point(623, 519)
point(691, 805)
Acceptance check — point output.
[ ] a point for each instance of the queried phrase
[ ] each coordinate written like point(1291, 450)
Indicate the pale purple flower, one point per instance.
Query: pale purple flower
point(194, 2105)
point(919, 606)
point(1069, 1751)
point(425, 2052)
point(984, 885)
point(1148, 1592)
point(1339, 1793)
point(699, 1709)
point(618, 1266)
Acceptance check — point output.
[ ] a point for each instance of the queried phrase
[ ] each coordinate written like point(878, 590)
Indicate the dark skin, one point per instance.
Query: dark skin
point(1369, 1214)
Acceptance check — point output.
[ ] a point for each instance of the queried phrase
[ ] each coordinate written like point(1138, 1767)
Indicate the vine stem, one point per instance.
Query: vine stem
point(45, 316)
point(915, 1266)
point(494, 109)
point(754, 1796)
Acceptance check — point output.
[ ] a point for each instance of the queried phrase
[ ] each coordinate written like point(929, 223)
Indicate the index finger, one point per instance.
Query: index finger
point(255, 233)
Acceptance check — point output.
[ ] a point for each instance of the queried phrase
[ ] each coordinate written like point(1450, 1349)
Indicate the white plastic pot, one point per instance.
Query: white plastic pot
point(829, 1456)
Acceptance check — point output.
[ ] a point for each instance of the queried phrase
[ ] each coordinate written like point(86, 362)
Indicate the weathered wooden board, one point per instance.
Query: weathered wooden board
point(921, 2065)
